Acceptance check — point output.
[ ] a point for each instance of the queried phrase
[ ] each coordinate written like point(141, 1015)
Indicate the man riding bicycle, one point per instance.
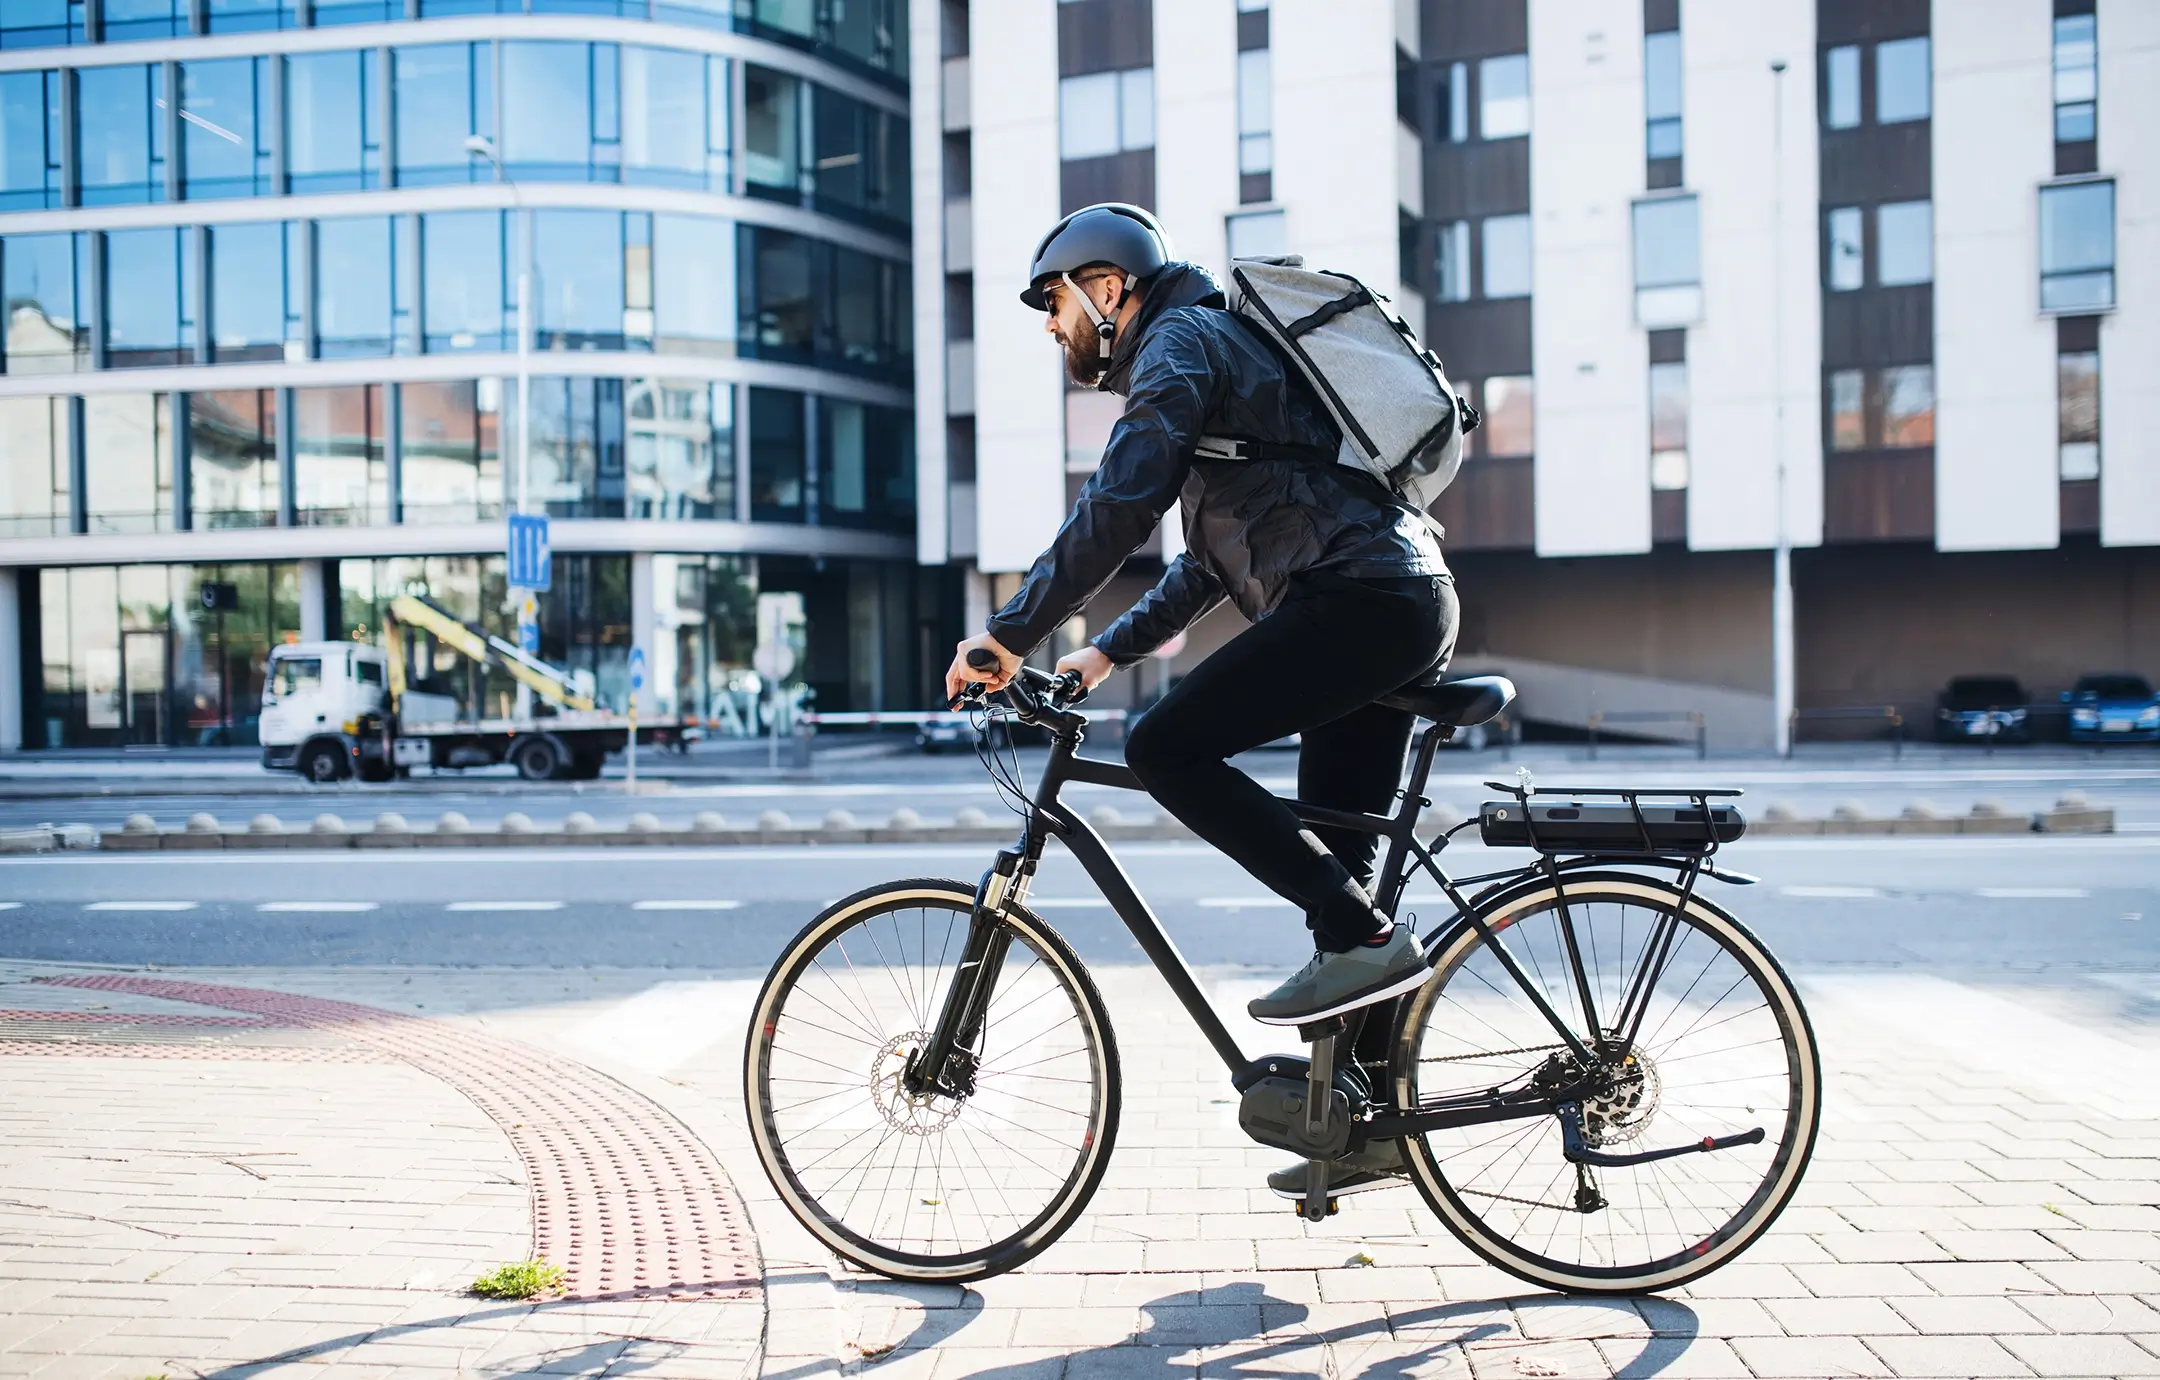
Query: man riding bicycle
point(1345, 587)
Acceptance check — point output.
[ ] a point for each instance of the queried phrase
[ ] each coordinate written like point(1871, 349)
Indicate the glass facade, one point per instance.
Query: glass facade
point(34, 466)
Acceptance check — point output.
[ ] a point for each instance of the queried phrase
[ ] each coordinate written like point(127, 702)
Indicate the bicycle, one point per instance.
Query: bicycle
point(1607, 1086)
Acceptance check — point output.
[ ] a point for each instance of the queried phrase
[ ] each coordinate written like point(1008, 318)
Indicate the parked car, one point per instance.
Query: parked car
point(2113, 707)
point(1977, 708)
point(937, 735)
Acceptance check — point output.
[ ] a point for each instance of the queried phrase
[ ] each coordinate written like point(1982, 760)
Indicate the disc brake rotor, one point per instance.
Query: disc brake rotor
point(914, 1114)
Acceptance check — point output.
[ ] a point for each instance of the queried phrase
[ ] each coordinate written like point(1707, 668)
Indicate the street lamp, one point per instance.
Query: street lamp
point(480, 146)
point(1781, 597)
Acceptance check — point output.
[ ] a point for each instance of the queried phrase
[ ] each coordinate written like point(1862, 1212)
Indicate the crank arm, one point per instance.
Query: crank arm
point(1577, 1152)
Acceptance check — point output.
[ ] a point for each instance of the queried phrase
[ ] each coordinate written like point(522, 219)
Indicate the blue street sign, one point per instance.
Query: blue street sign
point(637, 668)
point(529, 638)
point(528, 552)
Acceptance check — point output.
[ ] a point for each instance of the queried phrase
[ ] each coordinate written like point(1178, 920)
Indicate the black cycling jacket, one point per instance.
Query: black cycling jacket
point(1189, 369)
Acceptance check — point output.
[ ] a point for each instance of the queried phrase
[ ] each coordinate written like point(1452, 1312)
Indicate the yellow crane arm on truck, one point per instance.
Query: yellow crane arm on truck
point(544, 680)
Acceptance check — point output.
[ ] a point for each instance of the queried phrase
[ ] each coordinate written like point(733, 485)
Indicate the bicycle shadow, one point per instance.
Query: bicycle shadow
point(1250, 1333)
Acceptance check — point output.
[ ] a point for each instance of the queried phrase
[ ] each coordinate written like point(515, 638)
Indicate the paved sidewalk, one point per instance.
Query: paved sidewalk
point(1985, 1201)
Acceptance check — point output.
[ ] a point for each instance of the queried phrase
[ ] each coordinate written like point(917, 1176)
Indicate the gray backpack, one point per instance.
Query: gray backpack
point(1401, 422)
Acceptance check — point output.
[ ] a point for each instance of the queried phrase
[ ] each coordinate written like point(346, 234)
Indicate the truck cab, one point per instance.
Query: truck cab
point(316, 696)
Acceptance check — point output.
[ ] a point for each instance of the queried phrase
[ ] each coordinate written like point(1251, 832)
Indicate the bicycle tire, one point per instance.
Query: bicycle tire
point(1786, 1159)
point(1091, 1154)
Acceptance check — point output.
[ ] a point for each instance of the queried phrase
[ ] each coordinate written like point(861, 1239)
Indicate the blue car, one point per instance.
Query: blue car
point(2115, 707)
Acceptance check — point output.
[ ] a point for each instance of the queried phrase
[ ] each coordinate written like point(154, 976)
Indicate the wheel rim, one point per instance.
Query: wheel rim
point(925, 1185)
point(322, 768)
point(1723, 1048)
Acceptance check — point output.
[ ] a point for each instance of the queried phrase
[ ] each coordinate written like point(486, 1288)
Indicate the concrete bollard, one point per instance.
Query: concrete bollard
point(578, 822)
point(451, 822)
point(708, 822)
point(391, 822)
point(774, 822)
point(904, 819)
point(839, 821)
point(1991, 817)
point(1105, 817)
point(327, 824)
point(139, 823)
point(1922, 817)
point(644, 822)
point(202, 822)
point(266, 824)
point(1851, 817)
point(516, 822)
point(971, 818)
point(2074, 813)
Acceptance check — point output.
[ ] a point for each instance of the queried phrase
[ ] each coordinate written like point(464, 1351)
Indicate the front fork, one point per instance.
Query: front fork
point(946, 1064)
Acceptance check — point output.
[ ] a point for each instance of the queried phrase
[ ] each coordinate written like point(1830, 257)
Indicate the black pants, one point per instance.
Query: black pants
point(1312, 667)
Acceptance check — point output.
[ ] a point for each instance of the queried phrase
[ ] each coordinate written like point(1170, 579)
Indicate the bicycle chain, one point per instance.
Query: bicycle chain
point(1486, 1054)
point(1526, 1202)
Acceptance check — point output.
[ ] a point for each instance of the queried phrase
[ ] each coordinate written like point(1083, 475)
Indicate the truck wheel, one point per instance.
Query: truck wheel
point(374, 769)
point(322, 764)
point(585, 766)
point(537, 759)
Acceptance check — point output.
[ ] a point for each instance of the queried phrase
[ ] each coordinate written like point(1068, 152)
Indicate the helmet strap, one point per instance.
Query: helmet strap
point(1105, 327)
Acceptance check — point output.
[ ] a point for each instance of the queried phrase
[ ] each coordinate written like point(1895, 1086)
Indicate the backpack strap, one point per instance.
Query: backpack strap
point(1240, 448)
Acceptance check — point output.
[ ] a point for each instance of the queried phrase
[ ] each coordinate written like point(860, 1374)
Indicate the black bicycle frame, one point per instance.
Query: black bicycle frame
point(946, 1063)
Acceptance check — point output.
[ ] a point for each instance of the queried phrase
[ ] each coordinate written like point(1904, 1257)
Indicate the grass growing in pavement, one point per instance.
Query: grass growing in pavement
point(523, 1280)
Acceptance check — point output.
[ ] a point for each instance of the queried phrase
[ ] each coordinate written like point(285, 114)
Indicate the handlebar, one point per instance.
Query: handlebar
point(1035, 694)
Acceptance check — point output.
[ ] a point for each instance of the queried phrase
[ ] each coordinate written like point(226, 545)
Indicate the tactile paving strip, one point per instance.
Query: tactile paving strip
point(626, 1200)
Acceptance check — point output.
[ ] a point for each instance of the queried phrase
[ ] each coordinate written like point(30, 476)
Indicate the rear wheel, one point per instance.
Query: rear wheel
point(929, 1187)
point(537, 759)
point(1723, 1047)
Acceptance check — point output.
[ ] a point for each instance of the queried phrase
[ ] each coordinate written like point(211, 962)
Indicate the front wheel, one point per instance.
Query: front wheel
point(1722, 1047)
point(927, 1186)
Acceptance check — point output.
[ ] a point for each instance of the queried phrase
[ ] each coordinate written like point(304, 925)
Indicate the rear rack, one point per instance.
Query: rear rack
point(1644, 845)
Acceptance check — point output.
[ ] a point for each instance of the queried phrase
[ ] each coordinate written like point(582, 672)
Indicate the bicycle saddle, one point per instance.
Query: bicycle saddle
point(1471, 700)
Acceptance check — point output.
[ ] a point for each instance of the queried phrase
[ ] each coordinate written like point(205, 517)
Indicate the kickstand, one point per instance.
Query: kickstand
point(1319, 1106)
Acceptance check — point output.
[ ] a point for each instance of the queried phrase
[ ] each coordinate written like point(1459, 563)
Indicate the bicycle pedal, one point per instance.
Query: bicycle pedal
point(1334, 1205)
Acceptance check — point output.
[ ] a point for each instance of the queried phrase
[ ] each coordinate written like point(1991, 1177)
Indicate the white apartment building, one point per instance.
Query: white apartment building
point(1877, 276)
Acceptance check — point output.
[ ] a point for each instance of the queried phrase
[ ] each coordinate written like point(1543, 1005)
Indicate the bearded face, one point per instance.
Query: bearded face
point(1083, 358)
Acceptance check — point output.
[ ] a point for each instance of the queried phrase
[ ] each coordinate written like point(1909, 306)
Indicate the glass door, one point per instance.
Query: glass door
point(145, 685)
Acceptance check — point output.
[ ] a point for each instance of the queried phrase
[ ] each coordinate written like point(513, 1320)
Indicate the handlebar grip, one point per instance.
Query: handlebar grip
point(982, 659)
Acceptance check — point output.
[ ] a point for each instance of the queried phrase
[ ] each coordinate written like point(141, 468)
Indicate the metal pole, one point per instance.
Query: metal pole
point(1781, 594)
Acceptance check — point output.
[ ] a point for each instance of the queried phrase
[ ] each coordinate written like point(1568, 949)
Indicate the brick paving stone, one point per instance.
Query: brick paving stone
point(1010, 1363)
point(1965, 1313)
point(1845, 1281)
point(2063, 1356)
point(1809, 1357)
point(1965, 1358)
point(1980, 1277)
point(1700, 1358)
point(1836, 1317)
point(2098, 1276)
point(2092, 1313)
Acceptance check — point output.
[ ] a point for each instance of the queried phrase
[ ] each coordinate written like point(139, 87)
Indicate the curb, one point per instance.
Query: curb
point(2072, 814)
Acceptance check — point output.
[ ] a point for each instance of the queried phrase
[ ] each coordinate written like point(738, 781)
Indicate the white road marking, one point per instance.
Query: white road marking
point(140, 905)
point(1066, 903)
point(685, 905)
point(1831, 893)
point(1242, 902)
point(2034, 893)
point(504, 905)
point(304, 907)
point(10, 905)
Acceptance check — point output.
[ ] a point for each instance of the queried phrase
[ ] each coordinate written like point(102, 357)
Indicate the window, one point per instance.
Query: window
point(777, 455)
point(127, 461)
point(1090, 417)
point(225, 127)
point(296, 674)
point(1256, 121)
point(461, 291)
point(30, 139)
point(2077, 393)
point(1904, 243)
point(680, 461)
point(237, 16)
point(1841, 87)
point(1507, 256)
point(2077, 86)
point(248, 310)
point(866, 469)
point(34, 465)
point(451, 451)
point(42, 23)
point(148, 315)
point(120, 134)
point(1848, 409)
point(1668, 273)
point(128, 20)
point(444, 95)
point(778, 304)
point(1901, 81)
point(333, 121)
point(694, 269)
point(339, 477)
point(674, 118)
point(1661, 93)
point(1108, 112)
point(1509, 428)
point(1668, 427)
point(772, 132)
point(352, 287)
point(1258, 234)
point(561, 112)
point(1504, 96)
point(1845, 255)
point(1451, 261)
point(1453, 106)
point(860, 164)
point(232, 458)
point(577, 447)
point(2077, 246)
point(1908, 406)
point(578, 279)
point(39, 273)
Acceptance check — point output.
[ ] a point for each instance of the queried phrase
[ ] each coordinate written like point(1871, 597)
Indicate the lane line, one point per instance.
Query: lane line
point(1832, 893)
point(504, 905)
point(304, 907)
point(2034, 893)
point(686, 905)
point(140, 905)
point(11, 905)
point(1242, 902)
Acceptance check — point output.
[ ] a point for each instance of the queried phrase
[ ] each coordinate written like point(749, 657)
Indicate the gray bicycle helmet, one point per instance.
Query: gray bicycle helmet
point(1109, 232)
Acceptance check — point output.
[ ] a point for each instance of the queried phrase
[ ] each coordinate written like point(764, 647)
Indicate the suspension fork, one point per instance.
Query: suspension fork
point(946, 1064)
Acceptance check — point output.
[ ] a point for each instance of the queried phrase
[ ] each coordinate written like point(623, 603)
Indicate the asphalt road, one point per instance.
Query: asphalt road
point(2077, 907)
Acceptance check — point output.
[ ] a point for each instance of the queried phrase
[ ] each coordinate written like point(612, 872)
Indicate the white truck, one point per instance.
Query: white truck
point(333, 710)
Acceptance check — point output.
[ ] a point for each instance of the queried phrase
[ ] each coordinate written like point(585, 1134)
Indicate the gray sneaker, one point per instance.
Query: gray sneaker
point(1378, 1165)
point(1334, 983)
